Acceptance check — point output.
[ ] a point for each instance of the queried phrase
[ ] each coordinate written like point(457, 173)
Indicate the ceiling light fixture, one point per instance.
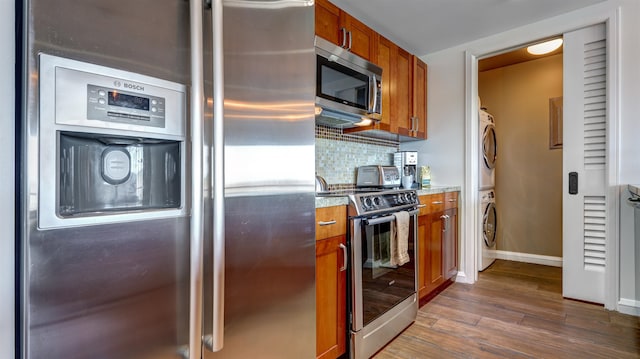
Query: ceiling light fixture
point(544, 47)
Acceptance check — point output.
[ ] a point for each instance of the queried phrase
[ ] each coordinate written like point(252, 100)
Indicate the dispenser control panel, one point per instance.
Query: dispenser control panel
point(109, 104)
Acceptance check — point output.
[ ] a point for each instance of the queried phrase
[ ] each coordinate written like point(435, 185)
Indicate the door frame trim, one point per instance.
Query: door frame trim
point(470, 215)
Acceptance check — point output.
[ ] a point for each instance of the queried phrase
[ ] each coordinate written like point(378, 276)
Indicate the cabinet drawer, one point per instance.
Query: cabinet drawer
point(432, 203)
point(331, 221)
point(451, 200)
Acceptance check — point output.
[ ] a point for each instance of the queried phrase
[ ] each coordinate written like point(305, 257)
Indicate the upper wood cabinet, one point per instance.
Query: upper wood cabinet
point(413, 122)
point(404, 92)
point(404, 76)
point(344, 30)
point(419, 97)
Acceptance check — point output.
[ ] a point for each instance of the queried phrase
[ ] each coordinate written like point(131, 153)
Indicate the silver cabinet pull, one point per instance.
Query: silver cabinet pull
point(350, 41)
point(344, 257)
point(327, 223)
point(344, 37)
point(445, 226)
point(437, 202)
point(422, 205)
point(194, 350)
point(452, 200)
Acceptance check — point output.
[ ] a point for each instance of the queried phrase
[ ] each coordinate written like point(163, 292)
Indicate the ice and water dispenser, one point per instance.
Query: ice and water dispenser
point(112, 145)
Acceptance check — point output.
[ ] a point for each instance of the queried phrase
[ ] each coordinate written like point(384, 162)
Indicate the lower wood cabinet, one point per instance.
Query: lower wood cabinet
point(437, 243)
point(331, 282)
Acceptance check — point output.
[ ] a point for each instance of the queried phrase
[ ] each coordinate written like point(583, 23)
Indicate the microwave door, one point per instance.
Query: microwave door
point(342, 85)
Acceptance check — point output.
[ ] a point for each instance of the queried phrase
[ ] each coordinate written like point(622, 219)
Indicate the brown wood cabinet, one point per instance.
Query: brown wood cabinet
point(451, 235)
point(437, 243)
point(331, 282)
point(404, 76)
point(344, 30)
point(413, 120)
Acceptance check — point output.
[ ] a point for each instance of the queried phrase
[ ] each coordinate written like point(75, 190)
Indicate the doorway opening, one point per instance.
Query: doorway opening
point(520, 125)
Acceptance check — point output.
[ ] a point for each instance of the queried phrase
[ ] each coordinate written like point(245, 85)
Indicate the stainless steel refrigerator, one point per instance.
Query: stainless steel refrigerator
point(167, 194)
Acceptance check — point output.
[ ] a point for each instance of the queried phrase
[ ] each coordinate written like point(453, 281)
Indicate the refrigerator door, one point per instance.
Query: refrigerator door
point(268, 287)
point(107, 290)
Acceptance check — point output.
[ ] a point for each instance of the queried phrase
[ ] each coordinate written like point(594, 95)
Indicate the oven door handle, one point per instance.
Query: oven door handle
point(386, 219)
point(379, 220)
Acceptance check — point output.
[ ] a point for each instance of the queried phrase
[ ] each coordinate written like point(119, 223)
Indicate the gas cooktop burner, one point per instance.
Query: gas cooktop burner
point(386, 201)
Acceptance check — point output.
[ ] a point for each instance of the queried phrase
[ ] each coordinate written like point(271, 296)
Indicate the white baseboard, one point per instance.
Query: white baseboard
point(528, 258)
point(629, 306)
point(462, 278)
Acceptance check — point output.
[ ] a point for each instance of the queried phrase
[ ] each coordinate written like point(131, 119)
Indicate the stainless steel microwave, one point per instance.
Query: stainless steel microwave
point(348, 87)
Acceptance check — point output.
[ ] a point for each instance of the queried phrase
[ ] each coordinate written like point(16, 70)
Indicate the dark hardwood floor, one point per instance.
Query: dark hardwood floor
point(515, 310)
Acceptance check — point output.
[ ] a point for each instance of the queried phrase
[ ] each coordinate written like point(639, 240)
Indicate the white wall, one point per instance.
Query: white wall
point(444, 151)
point(7, 92)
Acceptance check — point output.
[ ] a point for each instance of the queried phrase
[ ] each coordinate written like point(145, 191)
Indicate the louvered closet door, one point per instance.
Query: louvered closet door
point(584, 152)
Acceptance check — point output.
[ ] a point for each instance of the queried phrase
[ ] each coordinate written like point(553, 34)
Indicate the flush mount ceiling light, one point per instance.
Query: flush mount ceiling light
point(544, 47)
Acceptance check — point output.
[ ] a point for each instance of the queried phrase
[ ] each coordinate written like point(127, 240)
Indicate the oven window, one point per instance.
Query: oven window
point(341, 84)
point(383, 285)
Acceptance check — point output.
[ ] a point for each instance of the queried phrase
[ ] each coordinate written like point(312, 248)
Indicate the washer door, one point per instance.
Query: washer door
point(489, 225)
point(489, 146)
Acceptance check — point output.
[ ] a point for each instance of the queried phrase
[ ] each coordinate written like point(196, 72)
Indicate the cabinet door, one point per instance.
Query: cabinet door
point(402, 95)
point(423, 254)
point(419, 97)
point(430, 247)
point(331, 305)
point(328, 22)
point(386, 52)
point(361, 39)
point(435, 267)
point(451, 244)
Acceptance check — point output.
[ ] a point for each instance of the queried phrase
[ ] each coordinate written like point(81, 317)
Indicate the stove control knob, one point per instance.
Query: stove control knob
point(367, 201)
point(377, 201)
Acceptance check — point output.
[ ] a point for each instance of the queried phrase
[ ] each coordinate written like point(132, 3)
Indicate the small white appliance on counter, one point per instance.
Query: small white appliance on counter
point(407, 163)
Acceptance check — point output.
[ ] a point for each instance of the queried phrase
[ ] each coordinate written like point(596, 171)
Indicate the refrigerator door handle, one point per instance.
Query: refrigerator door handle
point(215, 341)
point(196, 240)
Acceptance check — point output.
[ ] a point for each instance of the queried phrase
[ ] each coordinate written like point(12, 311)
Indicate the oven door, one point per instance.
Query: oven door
point(378, 286)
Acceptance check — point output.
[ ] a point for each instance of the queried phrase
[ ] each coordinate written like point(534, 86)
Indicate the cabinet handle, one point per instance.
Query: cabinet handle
point(417, 125)
point(444, 222)
point(452, 200)
point(350, 38)
point(421, 205)
point(344, 257)
point(436, 202)
point(327, 223)
point(344, 37)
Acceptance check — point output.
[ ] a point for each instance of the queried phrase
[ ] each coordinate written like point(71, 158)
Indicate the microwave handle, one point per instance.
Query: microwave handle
point(373, 94)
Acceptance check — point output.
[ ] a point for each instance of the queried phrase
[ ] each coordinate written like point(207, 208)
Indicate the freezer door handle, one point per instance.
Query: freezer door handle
point(215, 340)
point(194, 349)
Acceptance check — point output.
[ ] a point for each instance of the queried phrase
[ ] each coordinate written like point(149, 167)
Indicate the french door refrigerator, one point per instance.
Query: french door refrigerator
point(167, 179)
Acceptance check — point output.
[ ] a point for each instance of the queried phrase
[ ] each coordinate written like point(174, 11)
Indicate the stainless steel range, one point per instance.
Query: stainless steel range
point(383, 228)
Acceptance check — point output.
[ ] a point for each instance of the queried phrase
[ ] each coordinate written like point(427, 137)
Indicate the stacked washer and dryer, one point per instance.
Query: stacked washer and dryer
point(489, 221)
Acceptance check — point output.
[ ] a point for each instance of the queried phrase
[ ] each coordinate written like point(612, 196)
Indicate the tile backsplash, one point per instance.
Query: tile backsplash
point(339, 154)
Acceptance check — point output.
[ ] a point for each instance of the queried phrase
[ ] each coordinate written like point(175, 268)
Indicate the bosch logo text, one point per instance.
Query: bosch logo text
point(132, 86)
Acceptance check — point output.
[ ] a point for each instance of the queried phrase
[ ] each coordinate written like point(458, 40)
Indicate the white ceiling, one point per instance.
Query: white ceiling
point(426, 26)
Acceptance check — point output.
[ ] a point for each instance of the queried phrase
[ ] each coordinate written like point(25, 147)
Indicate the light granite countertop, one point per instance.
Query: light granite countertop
point(344, 200)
